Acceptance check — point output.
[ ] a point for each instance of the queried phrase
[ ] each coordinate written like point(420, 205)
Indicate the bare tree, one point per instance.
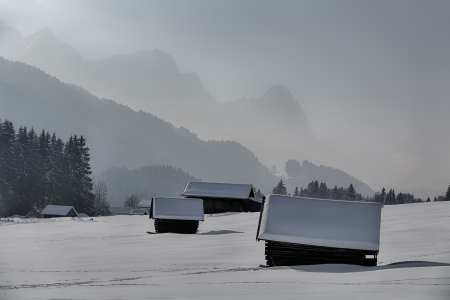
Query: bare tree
point(101, 205)
point(131, 201)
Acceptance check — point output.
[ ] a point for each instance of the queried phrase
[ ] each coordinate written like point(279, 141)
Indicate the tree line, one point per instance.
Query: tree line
point(37, 170)
point(320, 190)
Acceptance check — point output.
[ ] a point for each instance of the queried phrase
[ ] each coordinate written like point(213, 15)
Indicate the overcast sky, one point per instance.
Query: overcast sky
point(368, 74)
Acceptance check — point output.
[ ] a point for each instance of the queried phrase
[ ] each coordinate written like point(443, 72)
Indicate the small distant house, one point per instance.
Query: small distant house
point(178, 215)
point(145, 204)
point(82, 215)
point(223, 197)
point(305, 231)
point(120, 210)
point(55, 211)
point(141, 212)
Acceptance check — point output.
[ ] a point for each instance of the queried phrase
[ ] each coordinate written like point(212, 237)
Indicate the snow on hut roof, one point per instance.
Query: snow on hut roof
point(138, 212)
point(120, 210)
point(145, 203)
point(82, 215)
point(58, 210)
point(327, 223)
point(218, 190)
point(177, 208)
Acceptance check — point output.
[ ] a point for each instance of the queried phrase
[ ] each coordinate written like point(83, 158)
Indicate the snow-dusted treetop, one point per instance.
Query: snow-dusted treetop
point(177, 208)
point(59, 210)
point(327, 223)
point(218, 190)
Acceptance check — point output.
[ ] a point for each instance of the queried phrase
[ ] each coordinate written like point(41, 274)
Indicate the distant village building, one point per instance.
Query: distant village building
point(145, 204)
point(120, 210)
point(54, 211)
point(141, 212)
point(178, 215)
point(304, 231)
point(223, 197)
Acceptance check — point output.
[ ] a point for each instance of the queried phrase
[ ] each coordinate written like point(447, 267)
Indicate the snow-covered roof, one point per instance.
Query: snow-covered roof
point(328, 223)
point(145, 203)
point(218, 190)
point(82, 215)
point(177, 208)
point(58, 210)
point(120, 210)
point(138, 212)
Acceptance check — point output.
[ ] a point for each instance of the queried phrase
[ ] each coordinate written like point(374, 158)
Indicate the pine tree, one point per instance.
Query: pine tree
point(323, 191)
point(280, 189)
point(296, 192)
point(447, 194)
point(8, 177)
point(351, 193)
point(335, 194)
point(259, 194)
point(382, 196)
point(400, 199)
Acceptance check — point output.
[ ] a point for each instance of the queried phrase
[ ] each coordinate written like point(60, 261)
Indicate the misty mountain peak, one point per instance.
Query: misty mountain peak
point(8, 35)
point(278, 93)
point(43, 32)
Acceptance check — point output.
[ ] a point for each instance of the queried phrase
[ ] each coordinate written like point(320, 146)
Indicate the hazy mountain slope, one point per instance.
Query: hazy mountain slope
point(274, 126)
point(151, 81)
point(144, 182)
point(143, 80)
point(332, 177)
point(117, 135)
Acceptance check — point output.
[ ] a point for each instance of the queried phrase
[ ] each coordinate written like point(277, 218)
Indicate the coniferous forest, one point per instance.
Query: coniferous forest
point(40, 169)
point(321, 191)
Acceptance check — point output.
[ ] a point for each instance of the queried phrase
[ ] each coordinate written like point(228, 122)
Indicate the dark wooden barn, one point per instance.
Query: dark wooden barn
point(177, 215)
point(223, 197)
point(55, 211)
point(305, 231)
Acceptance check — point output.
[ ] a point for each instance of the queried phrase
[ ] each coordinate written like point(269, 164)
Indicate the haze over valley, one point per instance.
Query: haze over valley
point(371, 102)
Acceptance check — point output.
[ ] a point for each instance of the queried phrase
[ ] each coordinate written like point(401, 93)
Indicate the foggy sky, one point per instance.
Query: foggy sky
point(369, 75)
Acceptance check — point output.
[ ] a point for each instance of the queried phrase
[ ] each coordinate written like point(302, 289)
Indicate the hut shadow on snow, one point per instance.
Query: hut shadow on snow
point(218, 232)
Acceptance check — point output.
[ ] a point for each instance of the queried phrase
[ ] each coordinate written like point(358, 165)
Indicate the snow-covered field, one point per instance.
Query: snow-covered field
point(115, 258)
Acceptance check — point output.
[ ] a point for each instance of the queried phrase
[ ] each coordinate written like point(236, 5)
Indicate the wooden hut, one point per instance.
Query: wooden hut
point(223, 197)
point(178, 215)
point(304, 231)
point(55, 211)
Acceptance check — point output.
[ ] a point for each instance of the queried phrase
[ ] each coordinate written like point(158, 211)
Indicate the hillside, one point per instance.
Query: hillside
point(272, 126)
point(117, 135)
point(307, 172)
point(144, 182)
point(115, 258)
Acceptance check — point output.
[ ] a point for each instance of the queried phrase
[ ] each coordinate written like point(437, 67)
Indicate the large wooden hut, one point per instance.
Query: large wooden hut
point(305, 231)
point(223, 197)
point(178, 215)
point(54, 211)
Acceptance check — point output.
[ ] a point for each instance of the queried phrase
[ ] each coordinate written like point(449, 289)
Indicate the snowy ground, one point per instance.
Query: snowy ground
point(115, 258)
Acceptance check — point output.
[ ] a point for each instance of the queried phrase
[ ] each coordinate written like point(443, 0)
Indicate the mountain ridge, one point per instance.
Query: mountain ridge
point(117, 135)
